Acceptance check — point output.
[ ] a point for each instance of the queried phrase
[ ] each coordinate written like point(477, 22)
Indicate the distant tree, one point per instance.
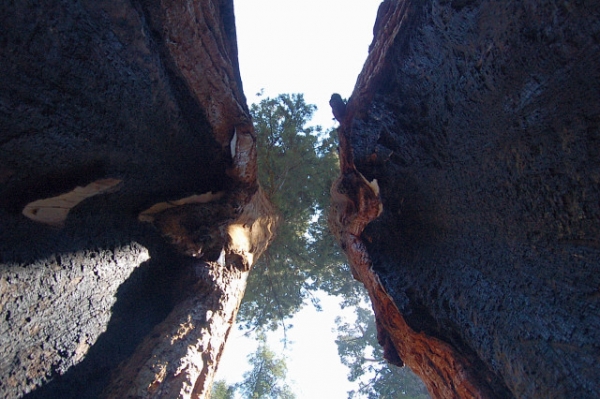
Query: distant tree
point(221, 390)
point(359, 350)
point(297, 164)
point(266, 379)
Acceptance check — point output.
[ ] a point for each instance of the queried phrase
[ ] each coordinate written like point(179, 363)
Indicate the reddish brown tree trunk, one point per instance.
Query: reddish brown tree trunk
point(145, 96)
point(469, 203)
point(179, 358)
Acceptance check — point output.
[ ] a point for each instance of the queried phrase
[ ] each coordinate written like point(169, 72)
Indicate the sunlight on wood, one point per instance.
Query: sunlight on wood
point(252, 232)
point(148, 214)
point(54, 211)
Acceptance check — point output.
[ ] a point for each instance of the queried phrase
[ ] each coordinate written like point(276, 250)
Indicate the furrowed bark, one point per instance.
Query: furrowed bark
point(468, 203)
point(112, 115)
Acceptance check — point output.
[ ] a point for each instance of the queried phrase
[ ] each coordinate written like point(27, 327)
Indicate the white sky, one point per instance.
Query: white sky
point(314, 368)
point(314, 47)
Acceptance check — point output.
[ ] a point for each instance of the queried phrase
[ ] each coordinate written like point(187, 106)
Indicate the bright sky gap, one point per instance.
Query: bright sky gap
point(313, 47)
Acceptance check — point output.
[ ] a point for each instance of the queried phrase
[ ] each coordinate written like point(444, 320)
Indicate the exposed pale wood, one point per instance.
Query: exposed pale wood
point(54, 211)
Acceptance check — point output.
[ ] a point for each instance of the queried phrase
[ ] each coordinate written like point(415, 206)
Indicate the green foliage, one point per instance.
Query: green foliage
point(297, 164)
point(221, 390)
point(266, 379)
point(360, 352)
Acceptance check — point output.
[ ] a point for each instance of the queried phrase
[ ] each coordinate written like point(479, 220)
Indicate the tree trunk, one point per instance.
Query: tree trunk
point(469, 202)
point(113, 114)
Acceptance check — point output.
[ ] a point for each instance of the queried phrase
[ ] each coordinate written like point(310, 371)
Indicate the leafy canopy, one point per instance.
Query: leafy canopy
point(297, 164)
point(266, 379)
point(221, 390)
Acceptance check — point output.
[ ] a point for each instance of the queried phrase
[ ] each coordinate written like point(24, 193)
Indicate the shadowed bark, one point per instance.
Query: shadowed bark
point(469, 203)
point(109, 109)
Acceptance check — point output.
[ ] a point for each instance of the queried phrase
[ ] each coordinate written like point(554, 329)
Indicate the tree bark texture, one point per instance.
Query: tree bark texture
point(469, 199)
point(121, 113)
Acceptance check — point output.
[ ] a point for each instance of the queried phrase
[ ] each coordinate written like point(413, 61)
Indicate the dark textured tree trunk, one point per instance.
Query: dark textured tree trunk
point(469, 201)
point(141, 104)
